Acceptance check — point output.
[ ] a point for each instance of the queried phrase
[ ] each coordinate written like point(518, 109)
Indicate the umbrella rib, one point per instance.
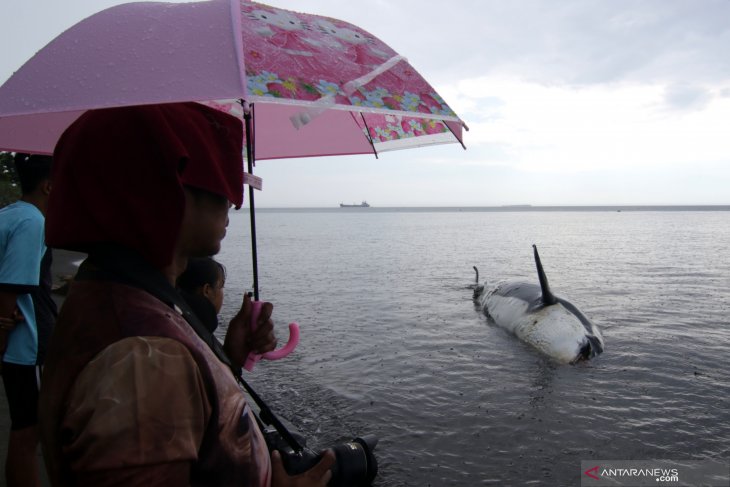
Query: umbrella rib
point(367, 133)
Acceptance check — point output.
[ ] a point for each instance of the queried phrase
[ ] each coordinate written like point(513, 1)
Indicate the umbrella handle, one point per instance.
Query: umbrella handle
point(275, 354)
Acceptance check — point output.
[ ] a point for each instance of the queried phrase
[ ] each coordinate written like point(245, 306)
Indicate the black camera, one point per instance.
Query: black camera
point(355, 464)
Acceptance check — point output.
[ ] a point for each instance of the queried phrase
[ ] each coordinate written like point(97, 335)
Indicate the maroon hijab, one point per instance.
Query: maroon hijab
point(118, 175)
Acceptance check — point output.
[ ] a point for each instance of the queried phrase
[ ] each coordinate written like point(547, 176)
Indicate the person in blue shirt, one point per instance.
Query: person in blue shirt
point(27, 312)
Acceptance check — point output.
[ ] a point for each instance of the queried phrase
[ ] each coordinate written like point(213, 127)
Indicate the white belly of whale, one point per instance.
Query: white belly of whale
point(553, 330)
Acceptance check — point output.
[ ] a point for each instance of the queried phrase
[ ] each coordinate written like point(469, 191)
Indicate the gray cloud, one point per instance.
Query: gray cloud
point(570, 41)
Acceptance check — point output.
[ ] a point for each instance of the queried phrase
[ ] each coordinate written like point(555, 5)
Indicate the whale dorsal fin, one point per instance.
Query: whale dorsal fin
point(547, 296)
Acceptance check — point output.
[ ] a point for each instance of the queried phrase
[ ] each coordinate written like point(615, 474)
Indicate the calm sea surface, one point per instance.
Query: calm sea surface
point(393, 345)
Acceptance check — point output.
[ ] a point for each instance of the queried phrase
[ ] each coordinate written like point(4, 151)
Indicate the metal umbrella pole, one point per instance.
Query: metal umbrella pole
point(250, 155)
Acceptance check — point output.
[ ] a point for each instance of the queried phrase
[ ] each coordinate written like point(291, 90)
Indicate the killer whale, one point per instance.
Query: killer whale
point(549, 323)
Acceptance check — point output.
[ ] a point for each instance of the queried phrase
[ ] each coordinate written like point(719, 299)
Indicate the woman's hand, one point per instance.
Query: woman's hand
point(317, 476)
point(241, 340)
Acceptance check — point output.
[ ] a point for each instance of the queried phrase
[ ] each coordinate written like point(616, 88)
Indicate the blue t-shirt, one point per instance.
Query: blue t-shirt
point(22, 245)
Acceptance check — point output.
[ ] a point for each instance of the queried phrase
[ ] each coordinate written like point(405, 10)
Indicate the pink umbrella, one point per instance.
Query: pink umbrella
point(360, 96)
point(309, 85)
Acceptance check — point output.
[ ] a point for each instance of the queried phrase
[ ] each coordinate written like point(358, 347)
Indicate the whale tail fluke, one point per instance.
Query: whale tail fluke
point(547, 296)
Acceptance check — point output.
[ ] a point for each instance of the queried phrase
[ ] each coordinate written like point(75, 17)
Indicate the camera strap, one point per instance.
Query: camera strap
point(117, 264)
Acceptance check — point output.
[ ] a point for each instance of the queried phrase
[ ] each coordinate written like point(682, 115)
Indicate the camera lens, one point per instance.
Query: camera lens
point(356, 464)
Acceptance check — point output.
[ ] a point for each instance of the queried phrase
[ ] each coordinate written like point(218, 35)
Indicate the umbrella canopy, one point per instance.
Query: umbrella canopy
point(319, 86)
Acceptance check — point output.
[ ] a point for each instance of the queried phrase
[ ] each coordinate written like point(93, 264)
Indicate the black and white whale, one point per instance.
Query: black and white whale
point(536, 316)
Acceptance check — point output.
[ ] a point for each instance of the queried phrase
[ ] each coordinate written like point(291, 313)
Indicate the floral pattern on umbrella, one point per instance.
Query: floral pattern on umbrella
point(298, 58)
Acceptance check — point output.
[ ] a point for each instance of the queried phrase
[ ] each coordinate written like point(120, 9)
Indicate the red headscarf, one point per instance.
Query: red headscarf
point(118, 175)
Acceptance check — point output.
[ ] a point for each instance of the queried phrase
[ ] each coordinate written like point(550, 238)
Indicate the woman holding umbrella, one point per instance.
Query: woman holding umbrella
point(134, 392)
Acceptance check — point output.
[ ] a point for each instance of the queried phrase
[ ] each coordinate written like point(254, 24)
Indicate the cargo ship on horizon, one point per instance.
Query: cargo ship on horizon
point(364, 204)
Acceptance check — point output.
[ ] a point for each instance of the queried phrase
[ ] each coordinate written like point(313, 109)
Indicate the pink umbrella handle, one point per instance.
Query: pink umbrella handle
point(274, 354)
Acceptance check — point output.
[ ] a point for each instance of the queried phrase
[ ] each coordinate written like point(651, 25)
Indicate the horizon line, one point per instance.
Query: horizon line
point(526, 207)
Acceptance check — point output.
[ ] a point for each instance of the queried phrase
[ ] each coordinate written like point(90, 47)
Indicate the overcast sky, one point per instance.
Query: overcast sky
point(570, 102)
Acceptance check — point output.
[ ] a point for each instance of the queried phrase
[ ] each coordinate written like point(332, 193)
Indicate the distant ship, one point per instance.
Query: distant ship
point(364, 204)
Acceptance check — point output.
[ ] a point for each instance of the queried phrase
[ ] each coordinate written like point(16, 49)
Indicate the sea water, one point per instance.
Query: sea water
point(392, 344)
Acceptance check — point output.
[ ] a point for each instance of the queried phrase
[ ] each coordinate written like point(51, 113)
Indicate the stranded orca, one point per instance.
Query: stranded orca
point(538, 317)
